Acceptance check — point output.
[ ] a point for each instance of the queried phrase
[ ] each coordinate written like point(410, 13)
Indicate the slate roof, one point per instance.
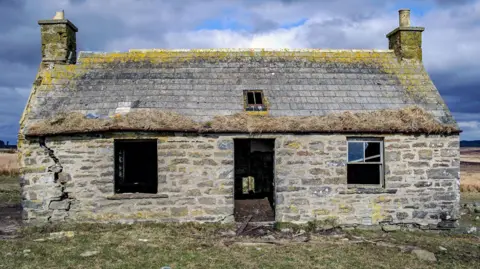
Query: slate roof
point(204, 83)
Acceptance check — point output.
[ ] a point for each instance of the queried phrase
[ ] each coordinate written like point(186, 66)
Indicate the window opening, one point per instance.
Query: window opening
point(254, 101)
point(365, 162)
point(136, 166)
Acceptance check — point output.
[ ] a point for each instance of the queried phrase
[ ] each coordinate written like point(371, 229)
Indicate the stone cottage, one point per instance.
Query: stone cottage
point(358, 137)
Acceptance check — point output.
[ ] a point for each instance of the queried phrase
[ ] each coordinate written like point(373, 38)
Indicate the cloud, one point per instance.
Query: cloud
point(451, 41)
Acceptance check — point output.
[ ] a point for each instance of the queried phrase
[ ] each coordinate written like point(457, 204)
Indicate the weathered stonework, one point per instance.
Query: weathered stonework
point(195, 180)
point(59, 43)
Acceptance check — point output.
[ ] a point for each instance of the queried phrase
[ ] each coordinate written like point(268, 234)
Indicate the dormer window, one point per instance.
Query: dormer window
point(254, 101)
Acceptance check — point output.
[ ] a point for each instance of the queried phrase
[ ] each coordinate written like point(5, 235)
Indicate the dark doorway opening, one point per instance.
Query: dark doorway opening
point(136, 166)
point(254, 179)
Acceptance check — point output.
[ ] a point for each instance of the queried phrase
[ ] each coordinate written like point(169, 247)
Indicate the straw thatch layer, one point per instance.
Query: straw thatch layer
point(406, 120)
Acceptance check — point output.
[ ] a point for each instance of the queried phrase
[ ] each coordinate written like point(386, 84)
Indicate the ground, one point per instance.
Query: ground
point(208, 246)
point(201, 246)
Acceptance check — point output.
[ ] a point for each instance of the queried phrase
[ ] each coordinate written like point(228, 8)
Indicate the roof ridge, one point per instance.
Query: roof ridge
point(241, 50)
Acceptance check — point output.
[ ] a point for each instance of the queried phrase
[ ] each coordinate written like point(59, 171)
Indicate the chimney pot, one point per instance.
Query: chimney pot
point(404, 17)
point(406, 40)
point(59, 15)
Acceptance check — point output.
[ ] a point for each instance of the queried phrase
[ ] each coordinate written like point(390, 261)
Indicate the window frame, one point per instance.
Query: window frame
point(246, 105)
point(117, 177)
point(365, 140)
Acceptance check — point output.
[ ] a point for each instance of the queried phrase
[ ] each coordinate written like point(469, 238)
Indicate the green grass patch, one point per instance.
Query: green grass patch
point(9, 190)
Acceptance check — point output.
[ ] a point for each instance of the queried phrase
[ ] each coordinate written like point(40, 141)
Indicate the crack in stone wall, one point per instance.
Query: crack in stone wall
point(60, 205)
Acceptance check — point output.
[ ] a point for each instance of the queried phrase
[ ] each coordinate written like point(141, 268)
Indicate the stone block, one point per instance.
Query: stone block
point(419, 145)
point(320, 211)
point(425, 154)
point(418, 164)
point(292, 144)
point(203, 162)
point(205, 146)
point(312, 181)
point(321, 191)
point(443, 173)
point(60, 205)
point(206, 201)
point(319, 171)
point(392, 156)
point(179, 211)
point(419, 214)
point(391, 228)
point(225, 210)
point(64, 177)
point(32, 204)
point(335, 180)
point(449, 196)
point(345, 209)
point(194, 192)
point(299, 201)
point(449, 153)
point(316, 145)
point(402, 215)
point(225, 144)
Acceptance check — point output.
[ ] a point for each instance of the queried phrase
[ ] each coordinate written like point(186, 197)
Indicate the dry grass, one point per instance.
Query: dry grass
point(8, 164)
point(407, 120)
point(200, 246)
point(470, 170)
point(470, 182)
point(148, 120)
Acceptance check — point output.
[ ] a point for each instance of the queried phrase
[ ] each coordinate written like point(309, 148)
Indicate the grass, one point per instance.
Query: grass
point(407, 120)
point(199, 246)
point(9, 190)
point(8, 163)
point(470, 182)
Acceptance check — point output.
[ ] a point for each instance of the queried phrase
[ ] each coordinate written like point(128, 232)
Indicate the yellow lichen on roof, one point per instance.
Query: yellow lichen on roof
point(169, 56)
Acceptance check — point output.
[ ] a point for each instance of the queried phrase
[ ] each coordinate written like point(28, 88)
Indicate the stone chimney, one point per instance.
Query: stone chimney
point(406, 40)
point(58, 40)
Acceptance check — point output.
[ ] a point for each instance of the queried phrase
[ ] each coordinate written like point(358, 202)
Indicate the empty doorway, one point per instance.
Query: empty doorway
point(254, 179)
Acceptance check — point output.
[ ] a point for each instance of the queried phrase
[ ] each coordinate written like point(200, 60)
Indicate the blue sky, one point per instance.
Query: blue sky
point(451, 41)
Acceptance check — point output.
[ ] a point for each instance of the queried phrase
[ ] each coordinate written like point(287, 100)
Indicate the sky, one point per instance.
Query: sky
point(451, 40)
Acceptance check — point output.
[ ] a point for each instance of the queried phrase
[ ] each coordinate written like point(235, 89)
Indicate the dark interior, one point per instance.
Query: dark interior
point(136, 166)
point(363, 173)
point(254, 158)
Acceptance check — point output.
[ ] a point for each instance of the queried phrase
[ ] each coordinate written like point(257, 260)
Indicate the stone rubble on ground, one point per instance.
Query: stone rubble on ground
point(390, 228)
point(228, 233)
point(89, 253)
point(62, 234)
point(424, 255)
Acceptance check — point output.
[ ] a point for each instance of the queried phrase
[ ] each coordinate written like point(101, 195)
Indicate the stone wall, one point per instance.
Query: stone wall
point(195, 180)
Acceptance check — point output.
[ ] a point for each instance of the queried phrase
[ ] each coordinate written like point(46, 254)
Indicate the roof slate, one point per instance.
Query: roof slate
point(204, 83)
